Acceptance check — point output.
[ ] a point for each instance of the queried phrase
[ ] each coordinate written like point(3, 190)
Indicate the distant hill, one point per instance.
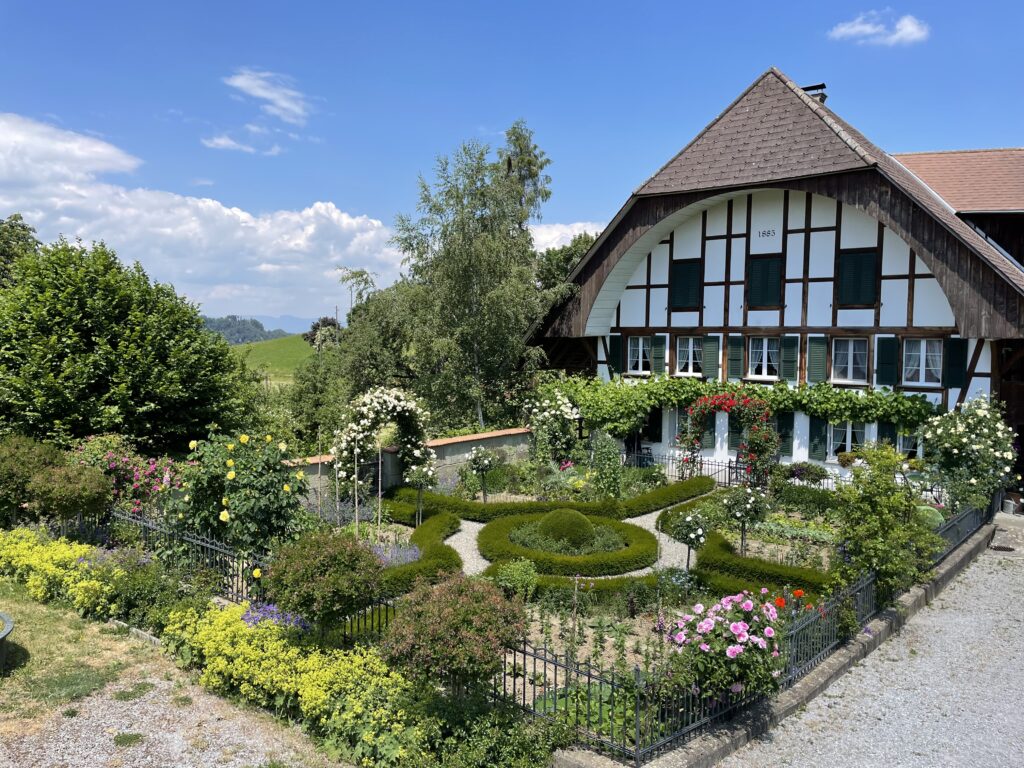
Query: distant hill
point(241, 330)
point(278, 358)
point(290, 323)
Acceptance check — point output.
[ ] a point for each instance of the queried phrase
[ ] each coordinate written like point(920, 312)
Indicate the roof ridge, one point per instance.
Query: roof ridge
point(957, 151)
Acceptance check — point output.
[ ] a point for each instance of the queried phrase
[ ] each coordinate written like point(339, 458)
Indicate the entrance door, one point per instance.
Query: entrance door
point(1009, 387)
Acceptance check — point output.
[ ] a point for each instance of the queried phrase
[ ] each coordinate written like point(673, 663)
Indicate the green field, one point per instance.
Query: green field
point(276, 358)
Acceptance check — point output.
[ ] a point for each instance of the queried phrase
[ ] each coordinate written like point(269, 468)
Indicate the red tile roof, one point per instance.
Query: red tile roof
point(972, 179)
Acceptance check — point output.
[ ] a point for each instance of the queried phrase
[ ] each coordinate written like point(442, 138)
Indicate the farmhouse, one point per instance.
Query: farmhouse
point(781, 245)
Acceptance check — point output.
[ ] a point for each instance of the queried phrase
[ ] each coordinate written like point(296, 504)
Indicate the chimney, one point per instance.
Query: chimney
point(816, 91)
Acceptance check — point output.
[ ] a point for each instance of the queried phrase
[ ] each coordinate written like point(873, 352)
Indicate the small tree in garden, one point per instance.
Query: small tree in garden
point(971, 451)
point(422, 477)
point(239, 490)
point(481, 461)
point(456, 631)
point(692, 530)
point(606, 464)
point(324, 576)
point(554, 427)
point(745, 505)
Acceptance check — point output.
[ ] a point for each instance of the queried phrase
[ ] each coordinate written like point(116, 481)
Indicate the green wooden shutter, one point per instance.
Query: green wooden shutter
point(614, 353)
point(684, 284)
point(707, 439)
point(817, 359)
point(735, 433)
point(784, 426)
point(790, 354)
point(887, 433)
point(765, 282)
point(657, 354)
point(710, 357)
point(858, 278)
point(735, 357)
point(954, 363)
point(818, 439)
point(886, 361)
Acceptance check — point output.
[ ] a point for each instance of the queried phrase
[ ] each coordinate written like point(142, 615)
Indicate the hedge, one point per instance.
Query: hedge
point(719, 557)
point(403, 503)
point(601, 590)
point(641, 549)
point(436, 557)
point(667, 516)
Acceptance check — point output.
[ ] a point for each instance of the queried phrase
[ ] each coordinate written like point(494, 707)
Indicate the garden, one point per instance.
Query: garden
point(369, 634)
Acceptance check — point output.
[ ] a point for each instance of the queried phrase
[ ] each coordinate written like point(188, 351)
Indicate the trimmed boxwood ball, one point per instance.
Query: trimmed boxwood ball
point(639, 551)
point(567, 525)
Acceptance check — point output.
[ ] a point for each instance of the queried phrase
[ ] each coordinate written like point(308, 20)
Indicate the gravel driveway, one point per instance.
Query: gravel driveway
point(946, 692)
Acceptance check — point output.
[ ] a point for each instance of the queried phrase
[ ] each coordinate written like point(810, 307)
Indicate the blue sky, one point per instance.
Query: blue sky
point(244, 150)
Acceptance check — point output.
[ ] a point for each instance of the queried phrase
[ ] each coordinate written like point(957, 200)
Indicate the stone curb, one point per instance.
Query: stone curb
point(709, 748)
point(137, 633)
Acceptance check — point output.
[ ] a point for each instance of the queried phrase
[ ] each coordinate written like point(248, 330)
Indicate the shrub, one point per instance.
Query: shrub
point(930, 516)
point(66, 492)
point(530, 536)
point(324, 576)
point(639, 551)
point(805, 471)
point(718, 556)
point(517, 578)
point(499, 739)
point(805, 500)
point(607, 465)
point(21, 458)
point(137, 481)
point(455, 630)
point(240, 491)
point(567, 525)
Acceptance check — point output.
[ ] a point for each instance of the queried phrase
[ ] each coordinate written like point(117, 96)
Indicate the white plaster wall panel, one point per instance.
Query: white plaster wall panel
point(714, 261)
point(735, 305)
point(795, 255)
point(659, 306)
point(717, 217)
point(685, 319)
point(895, 254)
point(686, 240)
point(859, 230)
point(856, 318)
point(797, 209)
point(763, 318)
point(794, 302)
point(985, 359)
point(739, 215)
point(931, 307)
point(823, 211)
point(639, 274)
point(823, 254)
point(819, 303)
point(659, 264)
point(737, 260)
point(979, 387)
point(894, 303)
point(935, 398)
point(721, 435)
point(632, 309)
point(766, 222)
point(801, 436)
point(714, 305)
point(920, 268)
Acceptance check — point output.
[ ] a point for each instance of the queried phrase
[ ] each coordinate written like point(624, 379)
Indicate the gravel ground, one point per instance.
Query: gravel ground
point(944, 692)
point(673, 553)
point(181, 726)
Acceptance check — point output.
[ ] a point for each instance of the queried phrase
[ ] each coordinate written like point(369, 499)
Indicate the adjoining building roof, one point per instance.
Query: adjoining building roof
point(972, 180)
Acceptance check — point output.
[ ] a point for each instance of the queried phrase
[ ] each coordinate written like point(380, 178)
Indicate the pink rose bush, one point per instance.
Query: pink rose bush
point(731, 647)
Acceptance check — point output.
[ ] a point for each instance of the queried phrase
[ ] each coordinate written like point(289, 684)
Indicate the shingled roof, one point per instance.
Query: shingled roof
point(972, 180)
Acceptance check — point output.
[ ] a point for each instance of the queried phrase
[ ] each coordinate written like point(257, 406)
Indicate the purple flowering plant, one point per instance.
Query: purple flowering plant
point(260, 612)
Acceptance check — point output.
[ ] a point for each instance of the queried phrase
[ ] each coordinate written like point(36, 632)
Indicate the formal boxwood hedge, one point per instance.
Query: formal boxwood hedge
point(403, 503)
point(436, 557)
point(602, 590)
point(719, 557)
point(640, 551)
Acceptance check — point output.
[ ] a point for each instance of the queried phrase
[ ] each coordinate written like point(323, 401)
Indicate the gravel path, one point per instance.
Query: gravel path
point(672, 552)
point(944, 692)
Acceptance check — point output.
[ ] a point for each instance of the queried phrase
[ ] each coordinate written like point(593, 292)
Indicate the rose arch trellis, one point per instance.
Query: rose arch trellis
point(356, 441)
point(760, 442)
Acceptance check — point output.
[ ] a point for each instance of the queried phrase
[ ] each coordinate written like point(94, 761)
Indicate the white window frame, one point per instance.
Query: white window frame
point(847, 377)
point(907, 443)
point(644, 346)
point(850, 427)
point(762, 345)
point(694, 346)
point(921, 362)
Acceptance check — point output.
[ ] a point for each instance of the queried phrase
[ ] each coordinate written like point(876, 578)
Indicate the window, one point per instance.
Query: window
point(922, 361)
point(858, 279)
point(690, 355)
point(764, 282)
point(910, 446)
point(639, 359)
point(764, 358)
point(850, 360)
point(844, 437)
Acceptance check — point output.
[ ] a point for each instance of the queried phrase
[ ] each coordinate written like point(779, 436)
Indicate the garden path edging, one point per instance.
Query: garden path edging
point(707, 749)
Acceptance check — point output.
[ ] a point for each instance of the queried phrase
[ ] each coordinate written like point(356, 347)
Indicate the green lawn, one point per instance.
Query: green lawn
point(277, 358)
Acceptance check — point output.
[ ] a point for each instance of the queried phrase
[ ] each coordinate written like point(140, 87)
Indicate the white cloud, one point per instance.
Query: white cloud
point(202, 182)
point(257, 129)
point(274, 151)
point(228, 259)
point(874, 28)
point(276, 91)
point(554, 235)
point(226, 142)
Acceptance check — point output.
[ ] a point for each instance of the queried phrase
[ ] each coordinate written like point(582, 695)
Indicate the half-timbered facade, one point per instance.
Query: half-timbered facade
point(782, 245)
